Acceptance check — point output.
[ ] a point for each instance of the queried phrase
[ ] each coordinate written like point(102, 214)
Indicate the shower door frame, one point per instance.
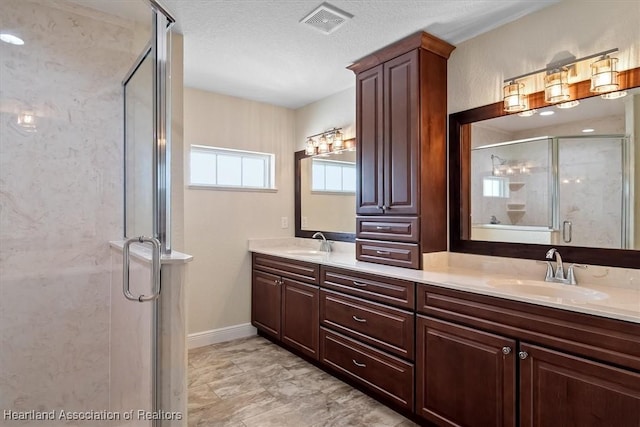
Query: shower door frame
point(159, 47)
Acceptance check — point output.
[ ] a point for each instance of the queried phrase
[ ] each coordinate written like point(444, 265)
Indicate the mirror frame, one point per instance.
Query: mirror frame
point(460, 194)
point(330, 235)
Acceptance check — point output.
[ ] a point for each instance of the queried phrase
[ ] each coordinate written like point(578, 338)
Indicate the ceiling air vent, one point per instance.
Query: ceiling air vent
point(326, 18)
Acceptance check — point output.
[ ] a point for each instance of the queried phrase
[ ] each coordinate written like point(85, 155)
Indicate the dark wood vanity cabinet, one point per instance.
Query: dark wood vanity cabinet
point(285, 301)
point(573, 369)
point(401, 149)
point(368, 331)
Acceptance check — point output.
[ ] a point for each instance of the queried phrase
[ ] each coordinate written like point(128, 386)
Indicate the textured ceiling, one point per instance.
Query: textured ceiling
point(257, 49)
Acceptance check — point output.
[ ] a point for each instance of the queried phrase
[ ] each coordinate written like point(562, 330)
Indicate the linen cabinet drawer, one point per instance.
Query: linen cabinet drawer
point(293, 269)
point(387, 328)
point(399, 293)
point(388, 253)
point(398, 229)
point(385, 375)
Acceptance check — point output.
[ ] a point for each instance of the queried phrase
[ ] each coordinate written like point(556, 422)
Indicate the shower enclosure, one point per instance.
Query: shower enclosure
point(70, 340)
point(563, 190)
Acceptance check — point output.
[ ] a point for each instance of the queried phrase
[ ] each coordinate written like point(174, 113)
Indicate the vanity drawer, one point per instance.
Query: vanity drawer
point(599, 338)
point(398, 229)
point(399, 293)
point(293, 269)
point(388, 253)
point(385, 375)
point(384, 327)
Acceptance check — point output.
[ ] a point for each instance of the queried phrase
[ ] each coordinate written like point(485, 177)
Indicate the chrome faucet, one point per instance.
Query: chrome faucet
point(325, 245)
point(558, 276)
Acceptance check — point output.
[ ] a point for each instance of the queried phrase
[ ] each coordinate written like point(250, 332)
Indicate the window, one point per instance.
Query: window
point(223, 167)
point(493, 186)
point(333, 176)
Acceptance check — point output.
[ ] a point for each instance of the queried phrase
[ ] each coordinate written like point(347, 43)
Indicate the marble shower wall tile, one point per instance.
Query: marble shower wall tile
point(60, 202)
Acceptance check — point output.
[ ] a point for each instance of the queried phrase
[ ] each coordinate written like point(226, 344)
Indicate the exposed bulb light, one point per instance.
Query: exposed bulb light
point(588, 130)
point(323, 145)
point(514, 97)
point(310, 148)
point(614, 95)
point(547, 113)
point(568, 104)
point(604, 75)
point(338, 142)
point(556, 86)
point(527, 113)
point(11, 39)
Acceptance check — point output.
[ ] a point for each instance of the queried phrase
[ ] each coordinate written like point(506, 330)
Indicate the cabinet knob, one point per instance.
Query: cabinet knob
point(523, 355)
point(358, 319)
point(506, 350)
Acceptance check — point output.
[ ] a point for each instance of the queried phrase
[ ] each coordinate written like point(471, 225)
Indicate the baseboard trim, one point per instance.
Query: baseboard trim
point(213, 336)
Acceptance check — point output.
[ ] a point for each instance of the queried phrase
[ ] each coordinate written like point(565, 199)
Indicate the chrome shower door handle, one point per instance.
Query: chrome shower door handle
point(564, 231)
point(155, 269)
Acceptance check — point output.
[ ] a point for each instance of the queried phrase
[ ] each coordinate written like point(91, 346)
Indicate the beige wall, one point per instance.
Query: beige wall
point(217, 222)
point(478, 66)
point(337, 110)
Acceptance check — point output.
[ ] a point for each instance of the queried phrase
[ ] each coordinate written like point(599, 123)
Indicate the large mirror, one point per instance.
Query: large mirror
point(325, 195)
point(561, 177)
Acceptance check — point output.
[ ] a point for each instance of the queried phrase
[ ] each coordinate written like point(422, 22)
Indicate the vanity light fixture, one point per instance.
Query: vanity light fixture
point(556, 86)
point(329, 141)
point(568, 104)
point(514, 97)
point(527, 113)
point(604, 79)
point(614, 95)
point(604, 75)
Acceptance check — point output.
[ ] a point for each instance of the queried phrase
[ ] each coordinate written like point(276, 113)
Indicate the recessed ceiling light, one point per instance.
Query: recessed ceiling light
point(588, 130)
point(11, 39)
point(547, 113)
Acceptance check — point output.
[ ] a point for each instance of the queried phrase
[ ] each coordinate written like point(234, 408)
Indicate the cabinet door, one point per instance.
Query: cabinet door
point(300, 323)
point(369, 123)
point(464, 377)
point(557, 389)
point(401, 135)
point(265, 303)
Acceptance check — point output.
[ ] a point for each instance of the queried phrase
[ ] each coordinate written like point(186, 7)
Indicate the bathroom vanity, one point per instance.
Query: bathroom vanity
point(453, 346)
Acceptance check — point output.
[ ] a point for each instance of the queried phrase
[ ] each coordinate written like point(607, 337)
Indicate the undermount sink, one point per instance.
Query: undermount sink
point(547, 290)
point(305, 252)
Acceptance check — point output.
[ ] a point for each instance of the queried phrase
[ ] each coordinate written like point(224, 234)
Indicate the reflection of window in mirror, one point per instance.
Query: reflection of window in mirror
point(495, 186)
point(333, 176)
point(327, 193)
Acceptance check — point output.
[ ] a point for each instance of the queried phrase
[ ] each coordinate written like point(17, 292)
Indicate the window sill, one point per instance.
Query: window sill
point(225, 188)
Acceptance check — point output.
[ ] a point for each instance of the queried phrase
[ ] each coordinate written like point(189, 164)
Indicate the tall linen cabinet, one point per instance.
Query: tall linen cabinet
point(401, 110)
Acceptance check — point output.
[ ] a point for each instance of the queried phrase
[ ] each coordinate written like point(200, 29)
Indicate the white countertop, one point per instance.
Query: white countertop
point(620, 303)
point(143, 253)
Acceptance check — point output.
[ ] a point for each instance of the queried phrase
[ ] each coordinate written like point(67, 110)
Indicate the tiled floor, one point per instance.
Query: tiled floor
point(252, 382)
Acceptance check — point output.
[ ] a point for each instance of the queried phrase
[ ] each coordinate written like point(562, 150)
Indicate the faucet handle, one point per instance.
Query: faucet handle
point(571, 278)
point(550, 274)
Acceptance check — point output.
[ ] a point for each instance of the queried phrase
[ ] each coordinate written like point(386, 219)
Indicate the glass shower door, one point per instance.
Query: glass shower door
point(591, 198)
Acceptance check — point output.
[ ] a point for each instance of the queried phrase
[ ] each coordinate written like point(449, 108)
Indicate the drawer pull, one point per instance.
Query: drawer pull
point(362, 285)
point(383, 252)
point(359, 365)
point(358, 319)
point(381, 227)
